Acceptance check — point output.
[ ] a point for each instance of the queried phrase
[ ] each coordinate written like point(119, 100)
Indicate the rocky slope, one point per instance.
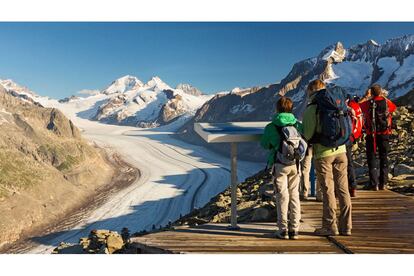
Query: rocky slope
point(129, 101)
point(407, 100)
point(255, 196)
point(44, 162)
point(354, 68)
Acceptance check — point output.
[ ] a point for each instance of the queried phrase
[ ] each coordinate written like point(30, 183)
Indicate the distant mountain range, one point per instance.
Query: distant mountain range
point(354, 68)
point(129, 101)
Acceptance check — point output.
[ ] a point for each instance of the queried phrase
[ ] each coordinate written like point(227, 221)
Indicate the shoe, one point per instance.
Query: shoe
point(326, 232)
point(352, 192)
point(382, 187)
point(303, 198)
point(283, 235)
point(346, 233)
point(374, 188)
point(293, 235)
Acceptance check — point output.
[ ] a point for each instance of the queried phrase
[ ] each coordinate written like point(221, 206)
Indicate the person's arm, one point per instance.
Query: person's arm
point(270, 139)
point(391, 106)
point(309, 122)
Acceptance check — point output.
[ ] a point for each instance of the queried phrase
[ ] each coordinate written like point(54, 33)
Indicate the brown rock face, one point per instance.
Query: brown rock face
point(61, 126)
point(172, 109)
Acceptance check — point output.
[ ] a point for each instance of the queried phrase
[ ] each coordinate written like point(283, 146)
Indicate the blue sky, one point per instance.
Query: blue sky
point(59, 59)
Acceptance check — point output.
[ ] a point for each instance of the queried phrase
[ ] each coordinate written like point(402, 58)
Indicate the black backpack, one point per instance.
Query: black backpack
point(379, 116)
point(334, 120)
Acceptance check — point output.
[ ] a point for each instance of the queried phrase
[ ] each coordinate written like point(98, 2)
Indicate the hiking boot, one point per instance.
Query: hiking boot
point(352, 192)
point(346, 233)
point(326, 232)
point(293, 235)
point(283, 235)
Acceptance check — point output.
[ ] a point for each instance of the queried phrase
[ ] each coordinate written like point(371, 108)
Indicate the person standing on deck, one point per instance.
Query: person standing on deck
point(378, 126)
point(330, 161)
point(357, 124)
point(287, 148)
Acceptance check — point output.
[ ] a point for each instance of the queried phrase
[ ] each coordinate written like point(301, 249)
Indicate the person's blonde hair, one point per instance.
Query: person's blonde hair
point(315, 85)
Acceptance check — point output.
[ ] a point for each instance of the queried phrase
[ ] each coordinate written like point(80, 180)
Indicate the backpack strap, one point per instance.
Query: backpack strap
point(282, 138)
point(373, 106)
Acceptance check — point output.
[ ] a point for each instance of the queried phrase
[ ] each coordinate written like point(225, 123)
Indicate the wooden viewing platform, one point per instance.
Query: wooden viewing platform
point(383, 222)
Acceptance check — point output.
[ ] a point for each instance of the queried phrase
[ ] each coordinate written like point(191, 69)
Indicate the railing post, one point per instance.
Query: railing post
point(233, 216)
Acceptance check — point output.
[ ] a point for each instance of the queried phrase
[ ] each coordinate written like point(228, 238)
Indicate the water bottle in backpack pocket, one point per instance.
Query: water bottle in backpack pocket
point(292, 147)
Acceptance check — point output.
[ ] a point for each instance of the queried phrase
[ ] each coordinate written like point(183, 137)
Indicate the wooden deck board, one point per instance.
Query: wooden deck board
point(383, 222)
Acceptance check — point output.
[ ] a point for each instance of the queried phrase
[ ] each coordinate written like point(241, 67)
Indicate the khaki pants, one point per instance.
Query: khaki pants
point(305, 179)
point(286, 181)
point(331, 173)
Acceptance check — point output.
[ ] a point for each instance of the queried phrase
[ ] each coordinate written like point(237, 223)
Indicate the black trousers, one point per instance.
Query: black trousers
point(351, 171)
point(378, 175)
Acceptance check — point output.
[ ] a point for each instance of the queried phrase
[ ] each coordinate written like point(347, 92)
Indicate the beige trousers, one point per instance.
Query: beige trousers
point(286, 181)
point(305, 179)
point(331, 173)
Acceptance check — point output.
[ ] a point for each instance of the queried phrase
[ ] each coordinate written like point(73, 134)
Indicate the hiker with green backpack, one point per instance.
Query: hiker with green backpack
point(287, 148)
point(327, 126)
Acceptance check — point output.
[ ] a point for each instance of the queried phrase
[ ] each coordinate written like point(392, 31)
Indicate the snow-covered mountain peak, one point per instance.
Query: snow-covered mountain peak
point(372, 42)
point(157, 84)
point(10, 85)
point(366, 52)
point(189, 89)
point(400, 47)
point(123, 84)
point(335, 53)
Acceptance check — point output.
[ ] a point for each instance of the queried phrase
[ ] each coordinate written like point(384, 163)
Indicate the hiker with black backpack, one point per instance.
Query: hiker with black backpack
point(327, 126)
point(287, 148)
point(378, 126)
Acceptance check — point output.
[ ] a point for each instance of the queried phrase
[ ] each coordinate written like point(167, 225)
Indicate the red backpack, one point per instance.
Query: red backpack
point(357, 120)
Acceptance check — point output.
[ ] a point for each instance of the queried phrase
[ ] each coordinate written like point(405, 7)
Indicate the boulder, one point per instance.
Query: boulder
point(401, 169)
point(114, 243)
point(260, 214)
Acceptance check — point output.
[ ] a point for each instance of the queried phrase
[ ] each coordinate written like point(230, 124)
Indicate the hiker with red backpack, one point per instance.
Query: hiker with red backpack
point(378, 126)
point(327, 126)
point(355, 114)
point(287, 148)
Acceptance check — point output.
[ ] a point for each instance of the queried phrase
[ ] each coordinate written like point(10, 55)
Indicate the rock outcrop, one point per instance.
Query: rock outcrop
point(98, 242)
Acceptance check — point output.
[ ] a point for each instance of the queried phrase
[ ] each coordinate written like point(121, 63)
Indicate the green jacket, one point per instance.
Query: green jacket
point(310, 126)
point(271, 139)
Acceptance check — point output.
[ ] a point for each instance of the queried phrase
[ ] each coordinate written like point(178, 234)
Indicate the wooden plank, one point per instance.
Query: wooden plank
point(382, 224)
